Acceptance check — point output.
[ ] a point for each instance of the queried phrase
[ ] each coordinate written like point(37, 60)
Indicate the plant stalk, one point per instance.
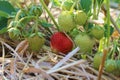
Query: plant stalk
point(94, 9)
point(105, 51)
point(51, 16)
point(108, 20)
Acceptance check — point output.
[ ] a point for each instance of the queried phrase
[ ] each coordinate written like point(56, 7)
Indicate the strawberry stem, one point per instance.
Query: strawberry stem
point(108, 20)
point(49, 13)
point(105, 51)
point(17, 16)
point(94, 9)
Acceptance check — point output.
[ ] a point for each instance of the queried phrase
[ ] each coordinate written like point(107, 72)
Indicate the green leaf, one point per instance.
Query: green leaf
point(45, 24)
point(4, 14)
point(106, 30)
point(5, 10)
point(88, 27)
point(86, 5)
point(6, 7)
point(26, 19)
point(3, 30)
point(3, 22)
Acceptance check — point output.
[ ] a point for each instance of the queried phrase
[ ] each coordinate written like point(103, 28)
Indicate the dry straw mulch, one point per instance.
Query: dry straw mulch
point(26, 65)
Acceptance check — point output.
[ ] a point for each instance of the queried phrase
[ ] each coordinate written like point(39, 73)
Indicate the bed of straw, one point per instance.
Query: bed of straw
point(18, 63)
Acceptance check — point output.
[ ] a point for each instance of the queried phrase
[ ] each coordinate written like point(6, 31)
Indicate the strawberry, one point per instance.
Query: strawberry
point(60, 42)
point(97, 32)
point(117, 70)
point(35, 42)
point(110, 65)
point(97, 60)
point(80, 17)
point(14, 33)
point(85, 42)
point(66, 21)
point(35, 10)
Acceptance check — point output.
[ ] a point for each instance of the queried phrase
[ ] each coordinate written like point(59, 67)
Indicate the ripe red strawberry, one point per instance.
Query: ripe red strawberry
point(61, 43)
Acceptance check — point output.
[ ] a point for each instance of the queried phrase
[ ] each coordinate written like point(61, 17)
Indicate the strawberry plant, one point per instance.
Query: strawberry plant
point(64, 26)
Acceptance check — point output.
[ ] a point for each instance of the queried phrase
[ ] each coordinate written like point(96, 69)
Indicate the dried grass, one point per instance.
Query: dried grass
point(19, 67)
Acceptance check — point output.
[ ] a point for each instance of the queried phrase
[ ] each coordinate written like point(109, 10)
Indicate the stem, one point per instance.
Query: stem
point(100, 48)
point(108, 20)
point(111, 19)
point(115, 25)
point(99, 7)
point(105, 51)
point(22, 19)
point(114, 48)
point(98, 10)
point(94, 9)
point(51, 16)
point(17, 15)
point(36, 24)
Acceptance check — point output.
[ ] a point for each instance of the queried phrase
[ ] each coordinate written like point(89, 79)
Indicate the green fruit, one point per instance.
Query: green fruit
point(97, 60)
point(36, 42)
point(13, 33)
point(35, 10)
point(110, 65)
point(97, 32)
point(118, 65)
point(67, 5)
point(80, 17)
point(66, 21)
point(117, 71)
point(85, 42)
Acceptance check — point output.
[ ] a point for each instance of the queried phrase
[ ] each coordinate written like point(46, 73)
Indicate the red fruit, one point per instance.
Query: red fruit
point(61, 43)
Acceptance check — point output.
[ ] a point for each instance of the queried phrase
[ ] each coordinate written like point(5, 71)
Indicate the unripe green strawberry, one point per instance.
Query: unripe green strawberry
point(97, 32)
point(117, 71)
point(85, 42)
point(110, 65)
point(66, 21)
point(67, 5)
point(35, 42)
point(60, 42)
point(118, 65)
point(14, 33)
point(35, 10)
point(80, 17)
point(97, 60)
